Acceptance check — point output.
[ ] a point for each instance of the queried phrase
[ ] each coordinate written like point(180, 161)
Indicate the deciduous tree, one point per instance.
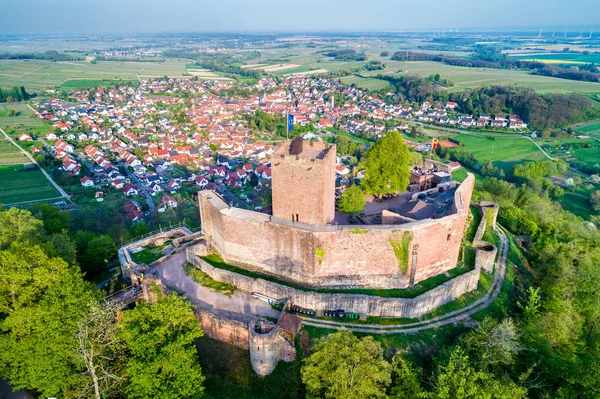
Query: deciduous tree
point(42, 299)
point(386, 166)
point(352, 200)
point(101, 352)
point(343, 366)
point(163, 361)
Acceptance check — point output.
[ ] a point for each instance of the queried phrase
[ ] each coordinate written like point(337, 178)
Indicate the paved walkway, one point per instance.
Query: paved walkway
point(240, 306)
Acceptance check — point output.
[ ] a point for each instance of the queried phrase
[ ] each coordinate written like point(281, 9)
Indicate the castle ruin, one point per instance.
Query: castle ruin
point(306, 242)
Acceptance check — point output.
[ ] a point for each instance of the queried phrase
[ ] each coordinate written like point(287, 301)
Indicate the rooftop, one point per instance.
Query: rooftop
point(304, 149)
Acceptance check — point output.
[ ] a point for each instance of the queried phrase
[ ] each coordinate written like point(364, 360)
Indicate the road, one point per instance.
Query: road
point(141, 186)
point(230, 197)
point(62, 192)
point(44, 143)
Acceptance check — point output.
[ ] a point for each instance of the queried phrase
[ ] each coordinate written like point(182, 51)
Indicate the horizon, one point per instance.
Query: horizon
point(270, 16)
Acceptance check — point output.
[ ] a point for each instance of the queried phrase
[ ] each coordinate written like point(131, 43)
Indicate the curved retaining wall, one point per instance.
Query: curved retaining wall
point(369, 305)
point(265, 347)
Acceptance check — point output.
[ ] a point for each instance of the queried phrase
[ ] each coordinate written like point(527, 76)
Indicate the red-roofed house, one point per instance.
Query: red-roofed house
point(87, 181)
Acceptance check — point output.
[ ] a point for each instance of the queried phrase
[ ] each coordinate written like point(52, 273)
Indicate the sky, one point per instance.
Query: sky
point(147, 16)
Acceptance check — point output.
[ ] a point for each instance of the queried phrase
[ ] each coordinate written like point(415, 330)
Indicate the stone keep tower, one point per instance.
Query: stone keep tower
point(303, 176)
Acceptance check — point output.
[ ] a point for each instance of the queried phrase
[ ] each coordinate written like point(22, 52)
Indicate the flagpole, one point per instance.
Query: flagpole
point(287, 125)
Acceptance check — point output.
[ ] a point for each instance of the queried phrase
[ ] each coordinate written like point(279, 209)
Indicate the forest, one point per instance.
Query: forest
point(15, 94)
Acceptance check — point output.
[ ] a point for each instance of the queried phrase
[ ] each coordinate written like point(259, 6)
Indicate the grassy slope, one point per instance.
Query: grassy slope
point(504, 152)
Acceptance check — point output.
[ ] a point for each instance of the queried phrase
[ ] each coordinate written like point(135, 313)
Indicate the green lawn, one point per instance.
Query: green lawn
point(589, 156)
point(504, 152)
point(578, 203)
point(206, 281)
point(588, 127)
point(20, 185)
point(147, 255)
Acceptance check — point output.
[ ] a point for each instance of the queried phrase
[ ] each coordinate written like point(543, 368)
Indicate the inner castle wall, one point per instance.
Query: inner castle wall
point(336, 256)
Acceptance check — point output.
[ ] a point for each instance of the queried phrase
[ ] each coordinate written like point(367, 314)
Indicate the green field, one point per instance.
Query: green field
point(20, 185)
point(593, 127)
point(504, 152)
point(557, 58)
point(578, 203)
point(90, 83)
point(365, 83)
point(467, 78)
point(9, 154)
point(38, 75)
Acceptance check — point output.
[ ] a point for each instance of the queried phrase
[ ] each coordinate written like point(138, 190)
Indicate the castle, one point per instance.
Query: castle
point(398, 243)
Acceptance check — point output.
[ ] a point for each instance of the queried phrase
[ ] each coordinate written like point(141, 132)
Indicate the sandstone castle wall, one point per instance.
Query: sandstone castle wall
point(369, 305)
point(336, 256)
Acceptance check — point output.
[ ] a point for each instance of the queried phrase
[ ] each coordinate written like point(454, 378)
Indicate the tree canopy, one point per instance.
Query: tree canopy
point(387, 166)
point(343, 366)
point(163, 360)
point(42, 299)
point(352, 200)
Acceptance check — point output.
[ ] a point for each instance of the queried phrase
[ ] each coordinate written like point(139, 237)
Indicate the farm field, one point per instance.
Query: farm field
point(463, 78)
point(9, 154)
point(20, 185)
point(38, 75)
point(74, 84)
point(503, 152)
point(593, 127)
point(560, 58)
point(467, 78)
point(22, 122)
point(365, 83)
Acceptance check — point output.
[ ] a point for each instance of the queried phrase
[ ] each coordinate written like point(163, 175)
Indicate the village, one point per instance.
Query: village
point(169, 136)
